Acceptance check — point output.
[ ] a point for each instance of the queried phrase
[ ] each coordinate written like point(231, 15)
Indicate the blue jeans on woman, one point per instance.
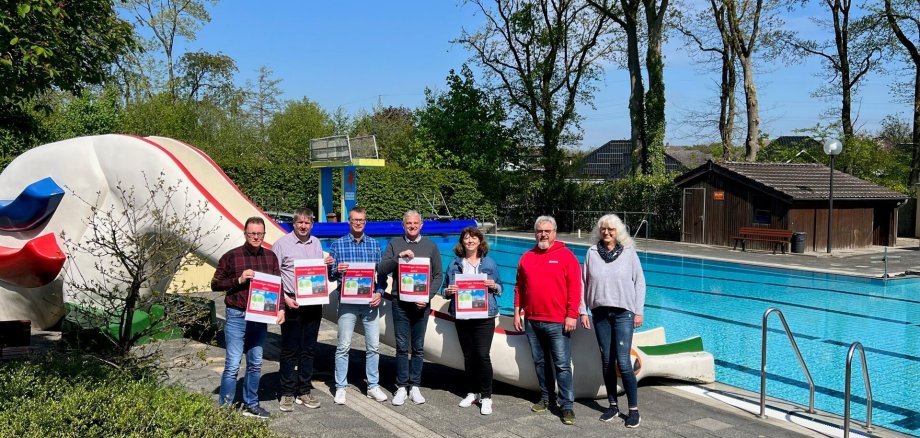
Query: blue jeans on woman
point(614, 327)
point(551, 336)
point(241, 336)
point(409, 324)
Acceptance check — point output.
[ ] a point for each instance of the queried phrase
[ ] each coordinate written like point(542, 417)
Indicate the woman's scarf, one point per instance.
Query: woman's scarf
point(609, 256)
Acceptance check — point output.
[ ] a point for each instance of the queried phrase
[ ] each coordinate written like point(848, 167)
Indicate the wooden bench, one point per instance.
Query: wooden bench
point(779, 238)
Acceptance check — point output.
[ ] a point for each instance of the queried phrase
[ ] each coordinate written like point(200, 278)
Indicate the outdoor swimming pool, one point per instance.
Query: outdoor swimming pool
point(724, 303)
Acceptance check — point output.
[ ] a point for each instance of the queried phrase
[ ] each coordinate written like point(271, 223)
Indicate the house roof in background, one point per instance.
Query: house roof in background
point(795, 181)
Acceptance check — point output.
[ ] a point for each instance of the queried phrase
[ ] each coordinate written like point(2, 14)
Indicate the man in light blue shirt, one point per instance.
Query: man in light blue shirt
point(357, 247)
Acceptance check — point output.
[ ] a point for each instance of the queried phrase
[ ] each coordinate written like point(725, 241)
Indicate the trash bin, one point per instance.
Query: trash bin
point(798, 242)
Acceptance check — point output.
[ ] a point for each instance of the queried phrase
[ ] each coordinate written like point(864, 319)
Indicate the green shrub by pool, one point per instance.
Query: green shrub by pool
point(72, 396)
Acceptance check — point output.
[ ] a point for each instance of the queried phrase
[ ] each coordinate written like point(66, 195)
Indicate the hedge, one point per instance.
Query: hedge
point(385, 192)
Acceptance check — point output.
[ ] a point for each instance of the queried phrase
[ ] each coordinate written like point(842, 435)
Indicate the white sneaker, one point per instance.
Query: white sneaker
point(468, 401)
point(377, 394)
point(416, 395)
point(399, 397)
point(339, 396)
point(485, 406)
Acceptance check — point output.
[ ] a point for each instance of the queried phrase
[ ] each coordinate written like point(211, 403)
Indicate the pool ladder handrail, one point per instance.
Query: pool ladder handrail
point(846, 396)
point(639, 228)
point(763, 363)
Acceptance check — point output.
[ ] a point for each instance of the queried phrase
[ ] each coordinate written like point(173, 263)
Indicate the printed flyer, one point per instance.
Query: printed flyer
point(358, 284)
point(413, 279)
point(471, 301)
point(311, 282)
point(264, 298)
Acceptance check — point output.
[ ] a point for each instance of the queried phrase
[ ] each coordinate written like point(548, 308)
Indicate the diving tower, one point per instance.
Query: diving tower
point(348, 154)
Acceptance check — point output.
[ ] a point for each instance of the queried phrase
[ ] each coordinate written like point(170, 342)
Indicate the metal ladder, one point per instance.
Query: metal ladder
point(846, 396)
point(763, 363)
point(811, 384)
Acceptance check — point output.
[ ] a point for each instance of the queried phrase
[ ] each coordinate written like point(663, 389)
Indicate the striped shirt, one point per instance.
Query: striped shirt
point(347, 249)
point(231, 267)
point(289, 248)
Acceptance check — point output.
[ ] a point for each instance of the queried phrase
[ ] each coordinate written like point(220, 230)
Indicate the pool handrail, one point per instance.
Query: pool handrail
point(763, 363)
point(846, 394)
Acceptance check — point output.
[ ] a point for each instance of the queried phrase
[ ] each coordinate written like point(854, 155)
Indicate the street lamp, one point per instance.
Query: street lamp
point(833, 148)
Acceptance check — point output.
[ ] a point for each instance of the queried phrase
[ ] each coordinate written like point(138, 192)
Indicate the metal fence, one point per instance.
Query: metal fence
point(584, 220)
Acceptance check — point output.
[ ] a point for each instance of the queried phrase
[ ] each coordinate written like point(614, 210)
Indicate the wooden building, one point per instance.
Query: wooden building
point(721, 197)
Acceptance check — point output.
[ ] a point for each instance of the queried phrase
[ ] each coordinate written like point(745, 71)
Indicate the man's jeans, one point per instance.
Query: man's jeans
point(551, 336)
point(349, 314)
point(298, 341)
point(241, 336)
point(409, 323)
point(614, 327)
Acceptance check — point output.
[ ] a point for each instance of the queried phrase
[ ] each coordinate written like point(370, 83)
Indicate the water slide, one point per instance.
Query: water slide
point(35, 275)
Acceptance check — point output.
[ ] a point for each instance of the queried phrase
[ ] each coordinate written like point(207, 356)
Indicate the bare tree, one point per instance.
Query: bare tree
point(908, 12)
point(697, 28)
point(542, 56)
point(135, 244)
point(856, 49)
point(744, 25)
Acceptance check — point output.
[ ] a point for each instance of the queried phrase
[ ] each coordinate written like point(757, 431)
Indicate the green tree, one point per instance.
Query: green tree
point(395, 129)
point(543, 57)
point(646, 107)
point(162, 115)
point(88, 113)
point(47, 45)
point(206, 76)
point(466, 130)
point(290, 131)
point(168, 20)
point(263, 100)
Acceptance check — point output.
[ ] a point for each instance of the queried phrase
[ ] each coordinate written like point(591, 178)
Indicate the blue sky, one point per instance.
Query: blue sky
point(356, 53)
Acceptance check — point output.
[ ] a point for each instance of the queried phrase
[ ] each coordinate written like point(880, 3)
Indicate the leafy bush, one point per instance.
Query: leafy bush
point(72, 396)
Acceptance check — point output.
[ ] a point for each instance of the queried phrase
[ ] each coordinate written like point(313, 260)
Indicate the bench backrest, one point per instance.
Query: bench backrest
point(766, 232)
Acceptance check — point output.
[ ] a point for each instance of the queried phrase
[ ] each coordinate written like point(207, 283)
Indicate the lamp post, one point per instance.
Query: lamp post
point(833, 148)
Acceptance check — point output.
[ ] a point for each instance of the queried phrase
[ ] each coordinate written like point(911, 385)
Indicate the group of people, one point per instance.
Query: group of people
point(553, 293)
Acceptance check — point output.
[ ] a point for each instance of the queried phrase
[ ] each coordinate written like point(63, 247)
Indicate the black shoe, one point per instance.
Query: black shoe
point(568, 417)
point(539, 406)
point(633, 419)
point(612, 412)
point(255, 411)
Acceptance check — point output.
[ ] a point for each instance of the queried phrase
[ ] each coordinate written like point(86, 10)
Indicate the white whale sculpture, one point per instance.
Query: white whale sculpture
point(91, 167)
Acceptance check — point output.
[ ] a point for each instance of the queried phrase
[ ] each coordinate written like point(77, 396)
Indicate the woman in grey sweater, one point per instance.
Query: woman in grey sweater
point(615, 292)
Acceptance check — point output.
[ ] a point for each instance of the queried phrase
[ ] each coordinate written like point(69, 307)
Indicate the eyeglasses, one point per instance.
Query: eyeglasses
point(545, 231)
point(255, 234)
point(357, 221)
point(608, 230)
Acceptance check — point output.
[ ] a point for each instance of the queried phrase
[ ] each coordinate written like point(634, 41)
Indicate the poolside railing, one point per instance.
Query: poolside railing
point(846, 394)
point(763, 363)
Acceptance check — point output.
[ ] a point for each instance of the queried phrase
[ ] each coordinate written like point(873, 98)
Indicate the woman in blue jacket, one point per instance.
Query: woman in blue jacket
point(475, 335)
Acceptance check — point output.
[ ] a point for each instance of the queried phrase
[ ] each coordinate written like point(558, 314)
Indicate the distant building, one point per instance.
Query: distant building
point(613, 160)
point(719, 198)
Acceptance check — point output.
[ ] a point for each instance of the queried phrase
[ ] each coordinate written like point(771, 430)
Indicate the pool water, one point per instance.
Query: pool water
point(724, 303)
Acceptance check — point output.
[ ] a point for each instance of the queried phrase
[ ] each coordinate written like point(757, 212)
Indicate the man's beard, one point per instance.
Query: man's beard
point(543, 244)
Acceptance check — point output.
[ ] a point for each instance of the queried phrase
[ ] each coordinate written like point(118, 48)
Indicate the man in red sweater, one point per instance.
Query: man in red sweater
point(546, 301)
